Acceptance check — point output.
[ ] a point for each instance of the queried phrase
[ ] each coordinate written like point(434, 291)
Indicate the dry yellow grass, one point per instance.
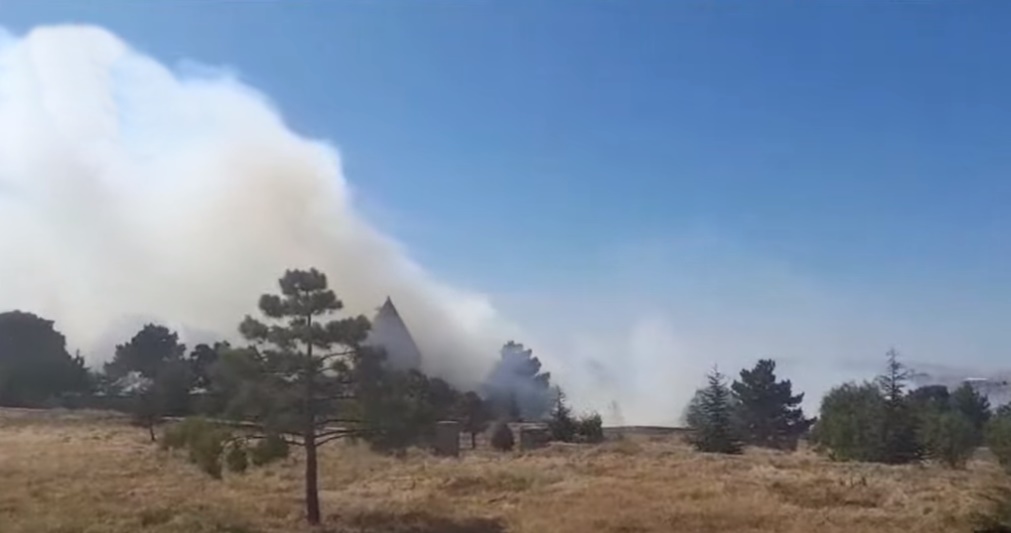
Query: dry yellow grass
point(87, 473)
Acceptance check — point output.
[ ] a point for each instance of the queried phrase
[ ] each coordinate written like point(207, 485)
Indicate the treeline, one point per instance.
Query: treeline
point(303, 378)
point(35, 367)
point(883, 420)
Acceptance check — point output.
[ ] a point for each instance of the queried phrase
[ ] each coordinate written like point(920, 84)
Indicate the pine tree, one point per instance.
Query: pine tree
point(711, 418)
point(768, 412)
point(517, 387)
point(475, 415)
point(900, 443)
point(561, 424)
point(298, 377)
point(974, 406)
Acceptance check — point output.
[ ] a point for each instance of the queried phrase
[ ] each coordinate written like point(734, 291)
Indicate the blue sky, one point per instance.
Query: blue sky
point(858, 140)
point(524, 147)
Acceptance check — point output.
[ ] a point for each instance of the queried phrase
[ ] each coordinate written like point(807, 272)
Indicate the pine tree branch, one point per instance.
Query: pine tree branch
point(337, 431)
point(328, 421)
point(327, 436)
point(330, 438)
point(288, 440)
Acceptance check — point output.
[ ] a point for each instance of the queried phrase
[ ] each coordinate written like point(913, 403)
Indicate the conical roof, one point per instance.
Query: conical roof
point(390, 333)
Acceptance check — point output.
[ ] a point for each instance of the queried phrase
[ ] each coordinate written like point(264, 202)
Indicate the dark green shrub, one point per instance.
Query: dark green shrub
point(561, 425)
point(590, 428)
point(205, 450)
point(181, 434)
point(998, 437)
point(268, 449)
point(948, 437)
point(203, 440)
point(850, 427)
point(974, 406)
point(502, 437)
point(236, 458)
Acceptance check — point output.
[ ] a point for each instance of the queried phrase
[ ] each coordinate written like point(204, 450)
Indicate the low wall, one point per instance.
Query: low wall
point(657, 432)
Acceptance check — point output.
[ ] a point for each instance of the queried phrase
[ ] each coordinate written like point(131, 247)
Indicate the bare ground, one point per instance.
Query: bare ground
point(88, 472)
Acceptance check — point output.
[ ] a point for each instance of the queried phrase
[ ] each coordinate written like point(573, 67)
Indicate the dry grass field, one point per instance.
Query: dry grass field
point(76, 473)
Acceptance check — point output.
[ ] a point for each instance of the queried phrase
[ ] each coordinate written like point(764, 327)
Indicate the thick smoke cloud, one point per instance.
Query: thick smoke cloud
point(130, 192)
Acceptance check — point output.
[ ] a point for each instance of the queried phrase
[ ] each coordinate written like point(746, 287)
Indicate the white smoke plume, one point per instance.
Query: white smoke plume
point(133, 192)
point(130, 192)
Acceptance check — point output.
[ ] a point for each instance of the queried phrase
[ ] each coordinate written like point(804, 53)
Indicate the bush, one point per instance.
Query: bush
point(998, 437)
point(590, 428)
point(205, 451)
point(267, 449)
point(974, 406)
point(181, 434)
point(948, 437)
point(850, 425)
point(236, 458)
point(502, 437)
point(204, 441)
point(561, 425)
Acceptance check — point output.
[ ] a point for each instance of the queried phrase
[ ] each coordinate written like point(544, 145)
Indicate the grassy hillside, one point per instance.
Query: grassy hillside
point(92, 473)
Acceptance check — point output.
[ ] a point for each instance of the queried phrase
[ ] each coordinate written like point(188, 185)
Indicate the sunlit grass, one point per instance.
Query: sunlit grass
point(84, 473)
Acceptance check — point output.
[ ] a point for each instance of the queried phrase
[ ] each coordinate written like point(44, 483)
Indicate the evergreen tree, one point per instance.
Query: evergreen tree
point(975, 407)
point(929, 397)
point(561, 424)
point(147, 353)
point(396, 408)
point(692, 416)
point(590, 428)
point(712, 419)
point(150, 369)
point(899, 424)
point(768, 412)
point(516, 387)
point(295, 382)
point(475, 416)
point(34, 363)
point(309, 380)
point(202, 360)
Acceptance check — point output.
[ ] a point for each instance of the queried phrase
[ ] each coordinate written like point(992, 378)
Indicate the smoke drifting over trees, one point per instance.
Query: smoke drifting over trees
point(130, 194)
point(135, 193)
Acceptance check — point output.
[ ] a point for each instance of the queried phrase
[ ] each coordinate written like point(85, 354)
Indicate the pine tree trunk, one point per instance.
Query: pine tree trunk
point(311, 483)
point(311, 473)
